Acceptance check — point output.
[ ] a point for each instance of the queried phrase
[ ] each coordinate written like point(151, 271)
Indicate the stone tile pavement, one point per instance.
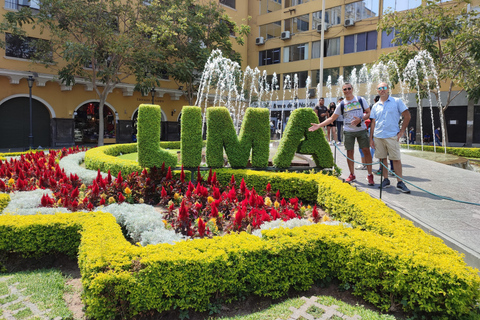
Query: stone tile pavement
point(305, 311)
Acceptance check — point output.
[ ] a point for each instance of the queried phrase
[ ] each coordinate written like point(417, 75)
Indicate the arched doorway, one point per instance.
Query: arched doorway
point(163, 127)
point(15, 124)
point(87, 124)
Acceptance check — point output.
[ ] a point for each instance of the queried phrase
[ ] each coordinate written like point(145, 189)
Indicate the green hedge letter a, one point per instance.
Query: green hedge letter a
point(297, 139)
point(254, 138)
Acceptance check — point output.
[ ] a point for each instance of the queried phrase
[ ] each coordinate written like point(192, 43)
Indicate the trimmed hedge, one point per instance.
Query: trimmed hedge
point(4, 200)
point(297, 139)
point(254, 138)
point(148, 139)
point(461, 152)
point(384, 259)
point(191, 142)
point(106, 158)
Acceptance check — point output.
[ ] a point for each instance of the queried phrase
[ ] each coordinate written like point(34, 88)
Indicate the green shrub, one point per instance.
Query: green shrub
point(4, 200)
point(105, 158)
point(297, 139)
point(254, 138)
point(462, 152)
point(191, 137)
point(149, 152)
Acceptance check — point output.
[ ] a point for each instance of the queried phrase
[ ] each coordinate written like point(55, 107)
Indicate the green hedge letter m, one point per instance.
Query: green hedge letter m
point(254, 138)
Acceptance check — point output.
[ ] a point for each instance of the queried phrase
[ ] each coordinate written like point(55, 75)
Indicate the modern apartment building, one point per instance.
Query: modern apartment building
point(285, 39)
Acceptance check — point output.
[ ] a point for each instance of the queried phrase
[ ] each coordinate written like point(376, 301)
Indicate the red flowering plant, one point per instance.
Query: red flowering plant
point(200, 209)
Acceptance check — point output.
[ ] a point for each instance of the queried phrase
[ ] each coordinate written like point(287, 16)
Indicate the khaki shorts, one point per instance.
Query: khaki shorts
point(388, 146)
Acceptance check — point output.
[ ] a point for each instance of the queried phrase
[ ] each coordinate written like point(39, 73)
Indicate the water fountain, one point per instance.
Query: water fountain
point(224, 84)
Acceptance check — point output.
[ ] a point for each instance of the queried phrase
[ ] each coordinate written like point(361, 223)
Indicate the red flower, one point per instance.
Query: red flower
point(315, 214)
point(121, 198)
point(214, 212)
point(102, 201)
point(182, 175)
point(199, 176)
point(119, 179)
point(243, 187)
point(269, 187)
point(169, 174)
point(201, 227)
point(163, 193)
point(232, 180)
point(75, 193)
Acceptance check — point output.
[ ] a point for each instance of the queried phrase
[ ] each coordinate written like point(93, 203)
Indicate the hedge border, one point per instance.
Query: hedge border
point(385, 259)
point(461, 152)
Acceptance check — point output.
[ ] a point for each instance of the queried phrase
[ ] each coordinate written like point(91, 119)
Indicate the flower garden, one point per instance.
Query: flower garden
point(384, 258)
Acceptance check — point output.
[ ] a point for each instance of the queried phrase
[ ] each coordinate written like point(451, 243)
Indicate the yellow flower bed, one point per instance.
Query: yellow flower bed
point(385, 258)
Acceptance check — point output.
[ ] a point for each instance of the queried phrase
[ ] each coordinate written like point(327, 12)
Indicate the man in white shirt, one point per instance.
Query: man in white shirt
point(355, 111)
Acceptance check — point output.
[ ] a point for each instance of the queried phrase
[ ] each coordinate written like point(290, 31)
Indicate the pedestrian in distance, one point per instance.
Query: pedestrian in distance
point(411, 136)
point(339, 122)
point(355, 111)
point(331, 128)
point(321, 111)
point(437, 137)
point(385, 133)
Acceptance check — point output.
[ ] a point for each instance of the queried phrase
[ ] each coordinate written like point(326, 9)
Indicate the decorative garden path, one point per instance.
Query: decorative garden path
point(312, 307)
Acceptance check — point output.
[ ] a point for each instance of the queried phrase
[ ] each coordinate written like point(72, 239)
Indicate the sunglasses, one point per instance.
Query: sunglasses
point(345, 89)
point(382, 88)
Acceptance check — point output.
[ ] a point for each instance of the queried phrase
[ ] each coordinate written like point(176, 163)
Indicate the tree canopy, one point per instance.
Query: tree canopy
point(108, 41)
point(450, 33)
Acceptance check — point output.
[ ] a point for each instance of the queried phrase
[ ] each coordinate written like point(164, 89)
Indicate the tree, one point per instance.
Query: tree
point(104, 41)
point(201, 28)
point(450, 34)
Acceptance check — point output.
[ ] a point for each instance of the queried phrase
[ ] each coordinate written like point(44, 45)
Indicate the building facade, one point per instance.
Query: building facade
point(285, 40)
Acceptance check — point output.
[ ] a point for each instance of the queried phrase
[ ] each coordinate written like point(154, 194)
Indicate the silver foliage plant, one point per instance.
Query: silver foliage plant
point(143, 223)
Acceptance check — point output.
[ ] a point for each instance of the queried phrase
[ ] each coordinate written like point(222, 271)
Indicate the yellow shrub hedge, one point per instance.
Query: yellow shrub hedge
point(385, 259)
point(4, 200)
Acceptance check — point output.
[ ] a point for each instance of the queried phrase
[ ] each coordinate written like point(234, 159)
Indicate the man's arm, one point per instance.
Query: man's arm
point(316, 126)
point(372, 129)
point(406, 120)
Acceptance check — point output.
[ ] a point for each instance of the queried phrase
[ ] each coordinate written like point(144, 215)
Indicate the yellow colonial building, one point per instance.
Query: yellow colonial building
point(285, 39)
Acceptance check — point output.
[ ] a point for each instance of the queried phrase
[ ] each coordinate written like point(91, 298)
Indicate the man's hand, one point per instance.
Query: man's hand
point(372, 143)
point(399, 135)
point(314, 127)
point(355, 121)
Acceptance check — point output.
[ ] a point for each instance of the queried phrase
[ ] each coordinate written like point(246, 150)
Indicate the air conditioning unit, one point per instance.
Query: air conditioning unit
point(285, 35)
point(319, 27)
point(349, 22)
point(259, 41)
point(312, 92)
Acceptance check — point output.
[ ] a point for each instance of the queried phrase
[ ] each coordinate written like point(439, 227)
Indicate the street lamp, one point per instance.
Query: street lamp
point(30, 80)
point(153, 95)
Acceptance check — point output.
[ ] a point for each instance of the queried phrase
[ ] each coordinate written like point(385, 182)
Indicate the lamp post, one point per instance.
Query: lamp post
point(30, 80)
point(153, 95)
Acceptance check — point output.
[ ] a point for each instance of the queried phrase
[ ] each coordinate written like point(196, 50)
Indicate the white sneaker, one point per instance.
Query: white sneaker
point(361, 167)
point(339, 143)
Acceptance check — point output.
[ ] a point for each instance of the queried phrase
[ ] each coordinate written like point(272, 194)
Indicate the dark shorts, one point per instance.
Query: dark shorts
point(361, 136)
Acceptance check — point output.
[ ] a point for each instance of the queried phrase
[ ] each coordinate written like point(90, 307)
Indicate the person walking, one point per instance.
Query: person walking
point(331, 128)
point(339, 122)
point(437, 137)
point(355, 111)
point(411, 136)
point(385, 133)
point(321, 111)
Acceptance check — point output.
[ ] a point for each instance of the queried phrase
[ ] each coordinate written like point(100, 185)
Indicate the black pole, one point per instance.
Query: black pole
point(153, 95)
point(30, 137)
point(381, 177)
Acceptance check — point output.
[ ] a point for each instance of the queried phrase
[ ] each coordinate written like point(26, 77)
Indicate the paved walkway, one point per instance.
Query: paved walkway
point(458, 224)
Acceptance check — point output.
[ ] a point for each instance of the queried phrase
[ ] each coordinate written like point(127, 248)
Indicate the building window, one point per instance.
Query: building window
point(302, 79)
point(267, 6)
point(26, 47)
point(400, 5)
point(291, 3)
point(271, 30)
point(333, 17)
point(348, 70)
point(387, 39)
point(297, 24)
point(360, 42)
point(268, 57)
point(296, 52)
point(228, 3)
point(17, 4)
point(333, 73)
point(331, 48)
point(362, 10)
point(268, 83)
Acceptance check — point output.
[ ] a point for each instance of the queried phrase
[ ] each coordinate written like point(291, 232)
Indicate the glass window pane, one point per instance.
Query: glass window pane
point(387, 39)
point(349, 44)
point(361, 42)
point(372, 40)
